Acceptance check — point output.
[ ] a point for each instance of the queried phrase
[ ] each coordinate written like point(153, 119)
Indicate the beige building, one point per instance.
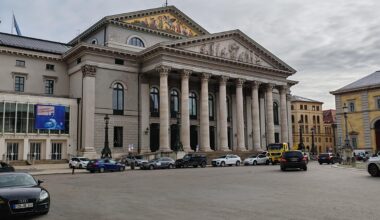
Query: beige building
point(146, 70)
point(307, 118)
point(329, 120)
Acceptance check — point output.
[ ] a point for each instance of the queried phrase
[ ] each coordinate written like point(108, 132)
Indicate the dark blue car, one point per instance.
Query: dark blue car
point(101, 165)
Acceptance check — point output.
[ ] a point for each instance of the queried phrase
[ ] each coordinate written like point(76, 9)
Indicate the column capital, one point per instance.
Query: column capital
point(223, 79)
point(163, 70)
point(283, 89)
point(186, 73)
point(205, 76)
point(255, 84)
point(88, 70)
point(269, 86)
point(240, 82)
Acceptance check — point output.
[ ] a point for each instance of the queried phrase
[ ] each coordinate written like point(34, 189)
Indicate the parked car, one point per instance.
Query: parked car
point(21, 194)
point(4, 167)
point(256, 159)
point(229, 159)
point(160, 163)
point(129, 159)
point(373, 166)
point(293, 159)
point(101, 165)
point(78, 162)
point(328, 158)
point(192, 160)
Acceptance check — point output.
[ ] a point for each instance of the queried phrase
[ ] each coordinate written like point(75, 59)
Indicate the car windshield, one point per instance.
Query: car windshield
point(223, 157)
point(154, 160)
point(83, 159)
point(293, 154)
point(275, 147)
point(13, 180)
point(253, 156)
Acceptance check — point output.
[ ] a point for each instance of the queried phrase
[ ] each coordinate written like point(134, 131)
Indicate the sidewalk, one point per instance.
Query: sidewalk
point(46, 169)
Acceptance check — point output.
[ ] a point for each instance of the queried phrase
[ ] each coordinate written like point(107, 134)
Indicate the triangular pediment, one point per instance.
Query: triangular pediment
point(232, 45)
point(168, 19)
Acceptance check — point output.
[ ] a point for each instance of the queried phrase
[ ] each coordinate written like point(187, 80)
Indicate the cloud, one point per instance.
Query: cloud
point(329, 43)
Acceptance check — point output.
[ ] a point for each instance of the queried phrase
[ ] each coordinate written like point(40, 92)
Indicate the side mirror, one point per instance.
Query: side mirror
point(39, 182)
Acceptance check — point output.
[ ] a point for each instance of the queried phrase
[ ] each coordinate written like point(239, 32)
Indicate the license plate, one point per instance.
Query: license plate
point(23, 206)
point(323, 158)
point(293, 159)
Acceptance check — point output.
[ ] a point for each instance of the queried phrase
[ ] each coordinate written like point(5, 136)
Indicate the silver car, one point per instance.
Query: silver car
point(373, 165)
point(256, 159)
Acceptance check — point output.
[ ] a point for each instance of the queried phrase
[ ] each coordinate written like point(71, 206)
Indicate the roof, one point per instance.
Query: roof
point(35, 44)
point(367, 82)
point(302, 99)
point(329, 116)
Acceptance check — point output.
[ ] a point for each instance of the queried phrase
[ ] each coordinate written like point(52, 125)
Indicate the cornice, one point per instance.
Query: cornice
point(97, 48)
point(28, 53)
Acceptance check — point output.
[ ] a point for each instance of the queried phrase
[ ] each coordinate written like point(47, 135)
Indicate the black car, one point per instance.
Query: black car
point(191, 160)
point(4, 167)
point(293, 159)
point(328, 158)
point(21, 194)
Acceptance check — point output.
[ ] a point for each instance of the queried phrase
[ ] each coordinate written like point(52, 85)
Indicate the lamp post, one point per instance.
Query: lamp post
point(301, 146)
point(312, 140)
point(347, 147)
point(106, 151)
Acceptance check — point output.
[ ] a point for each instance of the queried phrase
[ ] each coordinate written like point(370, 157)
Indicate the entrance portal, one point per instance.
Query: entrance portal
point(154, 137)
point(194, 137)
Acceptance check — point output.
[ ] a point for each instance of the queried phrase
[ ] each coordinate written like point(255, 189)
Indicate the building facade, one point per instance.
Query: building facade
point(329, 120)
point(307, 118)
point(158, 75)
point(362, 99)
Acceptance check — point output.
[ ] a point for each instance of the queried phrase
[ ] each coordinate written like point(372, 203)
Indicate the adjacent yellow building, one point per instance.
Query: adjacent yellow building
point(362, 99)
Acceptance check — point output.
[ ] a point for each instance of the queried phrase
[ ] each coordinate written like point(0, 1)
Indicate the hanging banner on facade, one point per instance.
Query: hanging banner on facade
point(50, 117)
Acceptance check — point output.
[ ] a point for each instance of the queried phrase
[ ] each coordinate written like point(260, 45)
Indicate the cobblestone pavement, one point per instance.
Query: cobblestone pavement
point(254, 192)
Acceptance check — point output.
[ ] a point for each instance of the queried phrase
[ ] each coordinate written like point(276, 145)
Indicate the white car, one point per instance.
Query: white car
point(228, 159)
point(373, 165)
point(78, 162)
point(256, 159)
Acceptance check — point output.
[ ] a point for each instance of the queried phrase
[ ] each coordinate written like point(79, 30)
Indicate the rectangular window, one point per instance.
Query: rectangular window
point(378, 102)
point(118, 136)
point(67, 120)
point(19, 83)
point(35, 151)
point(22, 117)
point(305, 107)
point(317, 108)
point(31, 119)
point(12, 151)
point(10, 116)
point(354, 141)
point(351, 106)
point(20, 63)
point(56, 151)
point(313, 108)
point(50, 67)
point(49, 86)
point(301, 107)
point(119, 61)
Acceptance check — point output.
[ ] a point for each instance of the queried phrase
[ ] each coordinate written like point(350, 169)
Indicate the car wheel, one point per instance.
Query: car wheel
point(305, 168)
point(373, 170)
point(237, 163)
point(254, 163)
point(92, 171)
point(283, 168)
point(320, 163)
point(80, 166)
point(121, 169)
point(170, 166)
point(44, 213)
point(267, 162)
point(101, 170)
point(222, 164)
point(195, 166)
point(203, 164)
point(151, 167)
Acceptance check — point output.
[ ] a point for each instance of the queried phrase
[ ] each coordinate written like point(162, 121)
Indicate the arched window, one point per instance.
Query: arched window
point(135, 41)
point(211, 107)
point(275, 113)
point(306, 119)
point(193, 105)
point(118, 99)
point(292, 118)
point(313, 119)
point(318, 119)
point(154, 102)
point(94, 41)
point(174, 103)
point(301, 120)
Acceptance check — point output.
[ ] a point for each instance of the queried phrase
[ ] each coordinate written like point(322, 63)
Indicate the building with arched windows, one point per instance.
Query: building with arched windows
point(159, 76)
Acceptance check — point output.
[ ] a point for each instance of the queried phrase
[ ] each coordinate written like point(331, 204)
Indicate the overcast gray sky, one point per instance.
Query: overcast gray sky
point(329, 42)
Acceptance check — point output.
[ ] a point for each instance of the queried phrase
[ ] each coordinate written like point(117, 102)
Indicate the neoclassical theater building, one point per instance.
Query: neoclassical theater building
point(159, 76)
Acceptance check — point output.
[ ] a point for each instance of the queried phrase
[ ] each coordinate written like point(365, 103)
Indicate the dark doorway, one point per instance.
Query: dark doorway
point(276, 137)
point(229, 133)
point(174, 131)
point(212, 138)
point(154, 137)
point(377, 132)
point(193, 137)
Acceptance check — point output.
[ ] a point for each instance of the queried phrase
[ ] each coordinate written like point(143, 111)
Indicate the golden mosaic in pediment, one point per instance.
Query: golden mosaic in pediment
point(166, 22)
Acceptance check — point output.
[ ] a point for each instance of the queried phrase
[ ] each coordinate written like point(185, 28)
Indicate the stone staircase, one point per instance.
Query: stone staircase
point(25, 162)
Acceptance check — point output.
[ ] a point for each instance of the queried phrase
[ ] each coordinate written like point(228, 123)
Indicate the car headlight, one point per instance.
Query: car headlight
point(43, 195)
point(2, 202)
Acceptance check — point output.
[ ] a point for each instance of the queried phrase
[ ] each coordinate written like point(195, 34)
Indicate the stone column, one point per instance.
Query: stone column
point(290, 129)
point(240, 115)
point(256, 116)
point(223, 130)
point(164, 108)
point(185, 120)
point(284, 115)
point(88, 114)
point(269, 114)
point(204, 122)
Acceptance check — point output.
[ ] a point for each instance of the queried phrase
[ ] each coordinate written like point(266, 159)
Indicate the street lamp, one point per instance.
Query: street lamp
point(301, 146)
point(346, 141)
point(106, 151)
point(313, 150)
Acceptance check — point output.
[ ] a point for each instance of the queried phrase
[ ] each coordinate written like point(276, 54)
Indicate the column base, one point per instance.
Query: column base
point(90, 153)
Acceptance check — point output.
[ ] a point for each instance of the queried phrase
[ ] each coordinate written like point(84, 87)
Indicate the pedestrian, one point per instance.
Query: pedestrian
point(73, 170)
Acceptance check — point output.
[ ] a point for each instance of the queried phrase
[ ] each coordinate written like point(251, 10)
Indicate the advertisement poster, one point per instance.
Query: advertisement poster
point(50, 117)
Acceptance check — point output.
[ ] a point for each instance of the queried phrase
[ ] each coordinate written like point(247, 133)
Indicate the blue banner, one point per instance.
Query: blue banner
point(50, 117)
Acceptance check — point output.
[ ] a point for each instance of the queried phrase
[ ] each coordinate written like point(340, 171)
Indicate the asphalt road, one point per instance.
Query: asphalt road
point(260, 192)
